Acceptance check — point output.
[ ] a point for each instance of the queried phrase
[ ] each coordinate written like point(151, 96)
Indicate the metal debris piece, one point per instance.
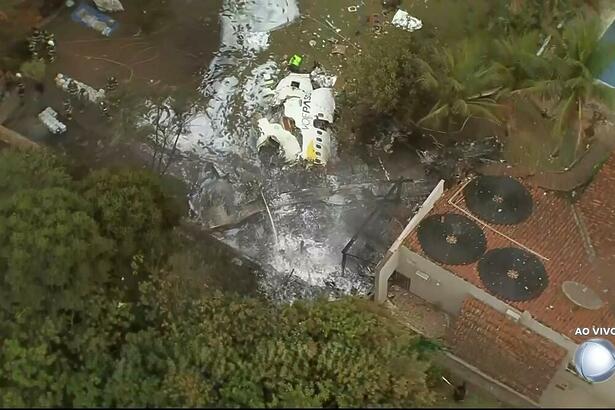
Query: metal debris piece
point(90, 17)
point(339, 49)
point(311, 110)
point(49, 117)
point(109, 5)
point(405, 21)
point(275, 231)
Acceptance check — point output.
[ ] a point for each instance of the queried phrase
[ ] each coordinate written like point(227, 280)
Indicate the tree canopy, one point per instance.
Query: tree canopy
point(30, 169)
point(73, 336)
point(51, 252)
point(131, 208)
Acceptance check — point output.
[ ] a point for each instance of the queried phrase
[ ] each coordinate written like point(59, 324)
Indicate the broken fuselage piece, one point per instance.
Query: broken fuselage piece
point(307, 114)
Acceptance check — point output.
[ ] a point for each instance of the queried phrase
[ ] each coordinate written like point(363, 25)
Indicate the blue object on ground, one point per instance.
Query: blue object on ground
point(90, 17)
point(608, 38)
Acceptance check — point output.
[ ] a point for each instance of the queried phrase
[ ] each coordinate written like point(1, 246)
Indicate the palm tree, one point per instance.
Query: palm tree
point(464, 85)
point(576, 63)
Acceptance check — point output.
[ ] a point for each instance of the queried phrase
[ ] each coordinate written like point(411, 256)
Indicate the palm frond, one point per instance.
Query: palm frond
point(436, 114)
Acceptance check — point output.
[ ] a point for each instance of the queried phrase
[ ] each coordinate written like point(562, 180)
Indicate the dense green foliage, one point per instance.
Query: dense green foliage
point(74, 335)
point(51, 253)
point(131, 209)
point(30, 170)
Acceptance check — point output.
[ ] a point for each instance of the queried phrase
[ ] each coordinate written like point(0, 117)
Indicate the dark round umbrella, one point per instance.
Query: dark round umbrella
point(498, 199)
point(451, 239)
point(512, 274)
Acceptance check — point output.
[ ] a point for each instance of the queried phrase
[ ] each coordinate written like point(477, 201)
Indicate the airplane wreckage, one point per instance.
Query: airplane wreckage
point(301, 118)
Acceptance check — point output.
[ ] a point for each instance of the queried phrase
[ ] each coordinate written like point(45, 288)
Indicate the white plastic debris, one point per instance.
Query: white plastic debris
point(322, 79)
point(311, 110)
point(95, 96)
point(287, 141)
point(109, 5)
point(49, 117)
point(405, 21)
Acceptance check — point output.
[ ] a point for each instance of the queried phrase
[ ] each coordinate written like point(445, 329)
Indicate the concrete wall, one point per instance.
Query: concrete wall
point(384, 270)
point(387, 266)
point(427, 206)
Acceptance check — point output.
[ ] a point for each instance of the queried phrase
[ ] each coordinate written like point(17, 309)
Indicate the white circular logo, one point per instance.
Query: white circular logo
point(595, 360)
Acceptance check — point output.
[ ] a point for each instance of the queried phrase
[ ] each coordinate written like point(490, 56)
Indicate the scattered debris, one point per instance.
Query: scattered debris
point(109, 5)
point(322, 78)
point(275, 231)
point(79, 88)
point(287, 141)
point(457, 160)
point(49, 117)
point(405, 21)
point(339, 49)
point(311, 109)
point(90, 17)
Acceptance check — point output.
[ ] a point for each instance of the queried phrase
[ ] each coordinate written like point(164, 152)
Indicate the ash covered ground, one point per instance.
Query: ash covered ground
point(313, 212)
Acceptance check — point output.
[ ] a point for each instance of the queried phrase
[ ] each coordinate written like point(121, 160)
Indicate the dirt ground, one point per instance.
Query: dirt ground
point(182, 41)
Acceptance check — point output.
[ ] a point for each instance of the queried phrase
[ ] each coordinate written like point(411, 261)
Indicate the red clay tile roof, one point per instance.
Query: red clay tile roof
point(597, 206)
point(493, 343)
point(552, 232)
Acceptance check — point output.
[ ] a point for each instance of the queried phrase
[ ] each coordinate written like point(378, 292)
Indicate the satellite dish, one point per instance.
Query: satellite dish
point(513, 274)
point(451, 239)
point(581, 295)
point(498, 199)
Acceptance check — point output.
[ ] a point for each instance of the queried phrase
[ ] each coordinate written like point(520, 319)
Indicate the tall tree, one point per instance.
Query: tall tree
point(132, 209)
point(30, 169)
point(51, 252)
point(464, 84)
point(578, 60)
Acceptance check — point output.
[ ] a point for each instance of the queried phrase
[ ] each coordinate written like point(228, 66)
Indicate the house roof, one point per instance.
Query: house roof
point(552, 232)
point(529, 359)
point(597, 206)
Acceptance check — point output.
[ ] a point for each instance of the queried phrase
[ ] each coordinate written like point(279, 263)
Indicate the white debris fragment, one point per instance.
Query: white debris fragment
point(405, 21)
point(109, 5)
point(322, 79)
point(287, 141)
point(93, 95)
point(49, 117)
point(311, 110)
